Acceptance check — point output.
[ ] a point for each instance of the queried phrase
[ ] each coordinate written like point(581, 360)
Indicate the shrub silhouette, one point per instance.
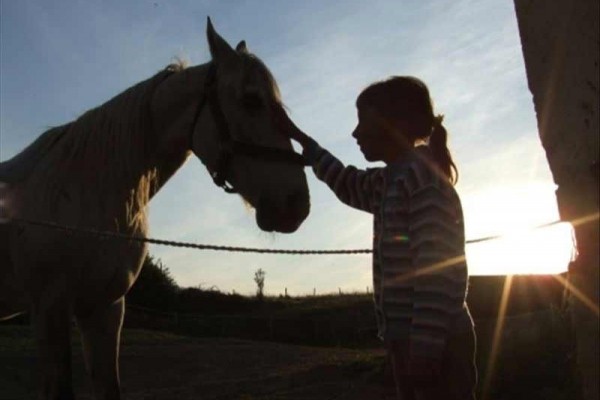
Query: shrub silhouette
point(155, 287)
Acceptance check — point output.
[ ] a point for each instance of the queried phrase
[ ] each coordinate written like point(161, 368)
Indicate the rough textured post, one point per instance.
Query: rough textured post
point(560, 41)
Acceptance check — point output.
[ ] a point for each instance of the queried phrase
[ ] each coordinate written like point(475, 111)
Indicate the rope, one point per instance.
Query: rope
point(171, 243)
point(495, 237)
point(115, 235)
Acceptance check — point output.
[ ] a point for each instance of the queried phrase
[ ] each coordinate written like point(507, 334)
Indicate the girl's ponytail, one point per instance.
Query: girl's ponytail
point(437, 144)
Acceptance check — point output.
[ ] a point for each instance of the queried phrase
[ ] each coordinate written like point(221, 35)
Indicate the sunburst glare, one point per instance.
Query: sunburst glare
point(512, 212)
point(497, 339)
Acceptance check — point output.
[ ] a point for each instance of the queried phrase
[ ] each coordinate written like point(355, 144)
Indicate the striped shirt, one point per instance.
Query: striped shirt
point(419, 267)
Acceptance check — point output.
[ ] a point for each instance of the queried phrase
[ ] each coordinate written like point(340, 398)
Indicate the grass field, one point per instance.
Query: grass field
point(156, 365)
point(319, 347)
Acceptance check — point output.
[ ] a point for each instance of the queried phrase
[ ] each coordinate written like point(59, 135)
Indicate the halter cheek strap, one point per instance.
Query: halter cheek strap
point(222, 127)
point(230, 147)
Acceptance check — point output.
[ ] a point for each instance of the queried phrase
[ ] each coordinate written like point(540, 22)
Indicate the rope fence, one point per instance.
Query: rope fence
point(189, 245)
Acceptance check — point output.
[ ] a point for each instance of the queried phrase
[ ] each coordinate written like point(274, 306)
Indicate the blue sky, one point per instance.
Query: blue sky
point(59, 59)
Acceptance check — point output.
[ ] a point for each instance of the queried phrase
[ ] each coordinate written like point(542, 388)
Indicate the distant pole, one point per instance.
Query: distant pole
point(340, 290)
point(314, 291)
point(286, 295)
point(367, 290)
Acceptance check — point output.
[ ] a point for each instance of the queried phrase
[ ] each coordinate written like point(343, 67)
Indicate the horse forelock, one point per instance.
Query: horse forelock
point(257, 65)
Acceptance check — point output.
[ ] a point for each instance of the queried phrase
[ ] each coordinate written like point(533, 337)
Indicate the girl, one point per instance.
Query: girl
point(419, 268)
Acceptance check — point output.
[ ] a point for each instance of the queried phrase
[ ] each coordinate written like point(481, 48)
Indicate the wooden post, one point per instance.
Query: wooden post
point(560, 47)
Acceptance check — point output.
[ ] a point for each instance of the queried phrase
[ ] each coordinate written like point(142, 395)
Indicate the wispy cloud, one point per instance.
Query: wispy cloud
point(468, 52)
point(323, 53)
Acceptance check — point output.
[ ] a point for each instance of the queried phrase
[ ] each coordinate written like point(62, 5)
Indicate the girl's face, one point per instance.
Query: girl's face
point(373, 137)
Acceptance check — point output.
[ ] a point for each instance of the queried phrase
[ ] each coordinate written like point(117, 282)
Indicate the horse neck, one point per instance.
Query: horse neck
point(116, 157)
point(174, 109)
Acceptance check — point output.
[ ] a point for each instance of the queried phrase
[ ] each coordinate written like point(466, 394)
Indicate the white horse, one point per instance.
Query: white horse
point(100, 171)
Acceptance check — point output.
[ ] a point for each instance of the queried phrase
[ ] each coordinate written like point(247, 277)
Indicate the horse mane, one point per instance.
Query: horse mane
point(106, 147)
point(20, 166)
point(97, 133)
point(113, 133)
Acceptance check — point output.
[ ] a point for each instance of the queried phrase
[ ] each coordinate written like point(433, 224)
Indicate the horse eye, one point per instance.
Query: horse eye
point(252, 100)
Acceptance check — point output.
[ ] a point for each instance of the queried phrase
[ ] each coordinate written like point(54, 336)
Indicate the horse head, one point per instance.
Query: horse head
point(236, 137)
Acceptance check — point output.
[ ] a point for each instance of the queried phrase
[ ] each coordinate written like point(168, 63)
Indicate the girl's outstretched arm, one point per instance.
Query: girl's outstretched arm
point(354, 187)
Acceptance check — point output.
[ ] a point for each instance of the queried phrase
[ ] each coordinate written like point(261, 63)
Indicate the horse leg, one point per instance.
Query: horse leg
point(12, 294)
point(100, 334)
point(52, 325)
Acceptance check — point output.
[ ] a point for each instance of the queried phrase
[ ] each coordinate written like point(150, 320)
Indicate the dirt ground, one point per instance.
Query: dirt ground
point(181, 368)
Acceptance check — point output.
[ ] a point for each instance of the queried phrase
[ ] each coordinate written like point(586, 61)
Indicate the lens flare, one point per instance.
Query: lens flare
point(489, 375)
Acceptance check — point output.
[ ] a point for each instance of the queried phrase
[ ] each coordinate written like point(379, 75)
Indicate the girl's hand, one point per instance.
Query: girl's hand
point(286, 126)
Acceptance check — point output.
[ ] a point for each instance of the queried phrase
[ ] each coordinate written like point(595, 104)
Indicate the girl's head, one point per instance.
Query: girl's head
point(396, 113)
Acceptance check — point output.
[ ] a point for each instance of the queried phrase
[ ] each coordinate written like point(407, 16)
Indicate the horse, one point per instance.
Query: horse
point(101, 170)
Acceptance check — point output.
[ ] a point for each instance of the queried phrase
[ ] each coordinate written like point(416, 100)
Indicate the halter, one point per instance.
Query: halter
point(229, 146)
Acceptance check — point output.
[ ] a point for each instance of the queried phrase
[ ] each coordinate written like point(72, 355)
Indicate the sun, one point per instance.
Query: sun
point(513, 212)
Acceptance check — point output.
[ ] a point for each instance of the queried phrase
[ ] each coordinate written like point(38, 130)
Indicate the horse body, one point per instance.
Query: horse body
point(58, 275)
point(100, 172)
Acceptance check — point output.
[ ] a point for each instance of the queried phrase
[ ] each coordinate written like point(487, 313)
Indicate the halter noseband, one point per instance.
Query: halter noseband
point(229, 146)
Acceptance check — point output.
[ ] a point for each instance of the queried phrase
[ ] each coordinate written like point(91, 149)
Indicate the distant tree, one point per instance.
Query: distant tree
point(259, 278)
point(155, 287)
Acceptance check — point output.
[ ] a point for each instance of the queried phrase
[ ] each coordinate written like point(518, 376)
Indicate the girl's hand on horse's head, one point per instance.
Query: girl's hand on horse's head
point(286, 126)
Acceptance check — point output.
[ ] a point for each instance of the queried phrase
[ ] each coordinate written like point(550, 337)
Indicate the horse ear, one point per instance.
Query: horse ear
point(219, 48)
point(241, 47)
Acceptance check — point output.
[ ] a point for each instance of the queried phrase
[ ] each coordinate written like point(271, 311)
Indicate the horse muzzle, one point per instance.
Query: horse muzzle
point(285, 216)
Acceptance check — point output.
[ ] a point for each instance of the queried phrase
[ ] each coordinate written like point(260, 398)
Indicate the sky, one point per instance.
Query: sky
point(58, 59)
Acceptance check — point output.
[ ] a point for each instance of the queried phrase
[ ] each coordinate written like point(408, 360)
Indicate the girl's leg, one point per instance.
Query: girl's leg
point(397, 354)
point(459, 375)
point(461, 372)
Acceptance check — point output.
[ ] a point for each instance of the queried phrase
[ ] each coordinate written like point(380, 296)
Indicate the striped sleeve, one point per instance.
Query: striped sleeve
point(354, 187)
point(437, 246)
